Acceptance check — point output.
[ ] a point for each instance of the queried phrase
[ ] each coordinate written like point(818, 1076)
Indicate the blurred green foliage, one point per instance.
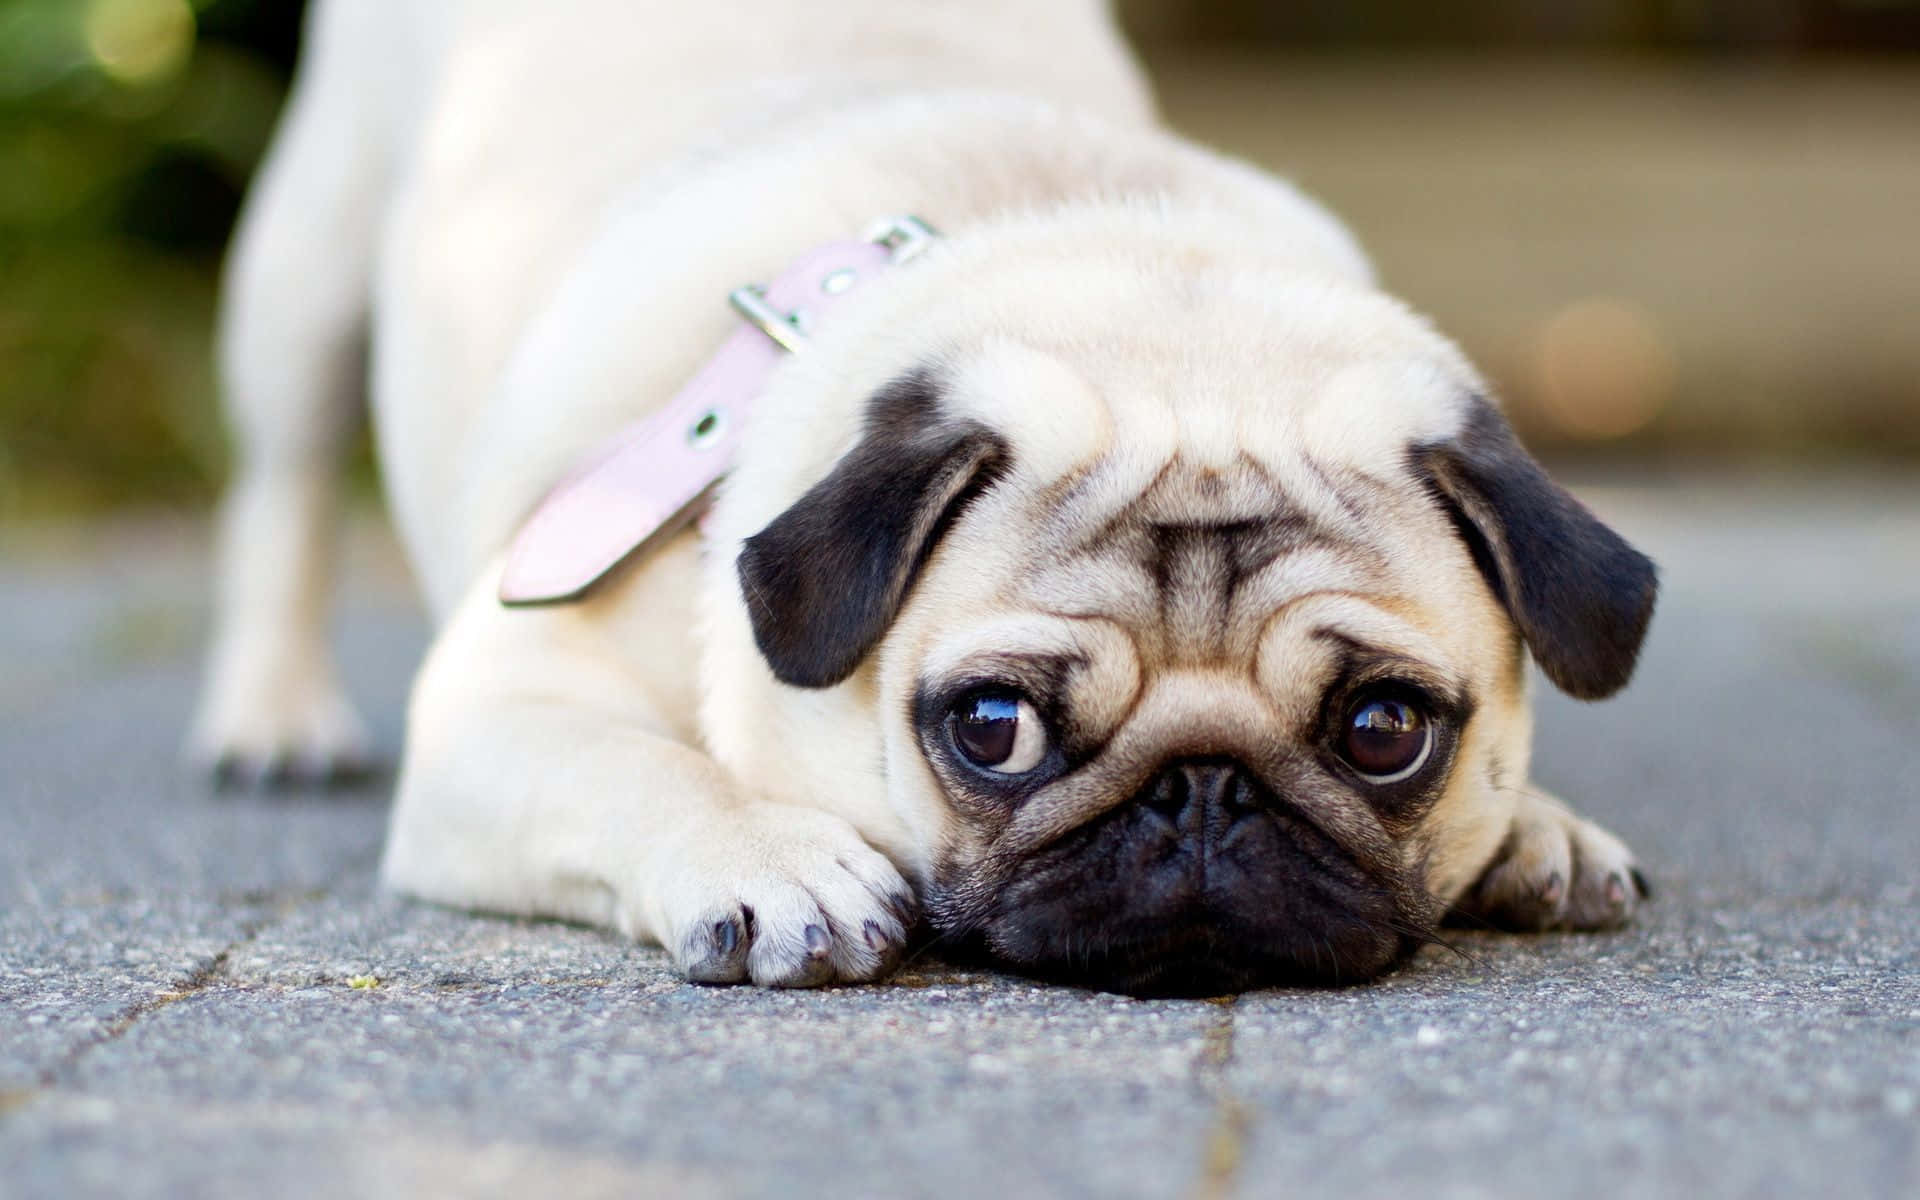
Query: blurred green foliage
point(128, 129)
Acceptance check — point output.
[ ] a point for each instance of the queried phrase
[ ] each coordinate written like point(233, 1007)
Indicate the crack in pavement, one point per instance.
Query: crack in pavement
point(1227, 1133)
point(202, 976)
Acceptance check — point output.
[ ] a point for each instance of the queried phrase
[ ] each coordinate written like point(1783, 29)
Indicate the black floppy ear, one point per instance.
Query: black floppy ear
point(826, 578)
point(1579, 593)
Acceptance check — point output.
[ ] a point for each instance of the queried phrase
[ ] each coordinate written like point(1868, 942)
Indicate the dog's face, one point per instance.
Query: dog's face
point(1195, 611)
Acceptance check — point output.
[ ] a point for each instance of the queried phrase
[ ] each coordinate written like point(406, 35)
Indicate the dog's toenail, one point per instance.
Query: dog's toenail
point(1640, 884)
point(876, 937)
point(818, 943)
point(1616, 891)
point(1550, 894)
point(726, 936)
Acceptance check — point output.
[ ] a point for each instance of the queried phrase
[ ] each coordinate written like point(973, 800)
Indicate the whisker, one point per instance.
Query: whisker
point(1472, 919)
point(1430, 937)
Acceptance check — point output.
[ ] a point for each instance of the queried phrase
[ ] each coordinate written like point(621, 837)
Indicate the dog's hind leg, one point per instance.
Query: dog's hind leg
point(293, 322)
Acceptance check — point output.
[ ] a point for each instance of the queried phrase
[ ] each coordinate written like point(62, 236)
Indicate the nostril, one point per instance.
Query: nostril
point(1168, 795)
point(1241, 794)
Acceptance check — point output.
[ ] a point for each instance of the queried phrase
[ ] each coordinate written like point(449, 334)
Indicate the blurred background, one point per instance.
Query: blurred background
point(1667, 229)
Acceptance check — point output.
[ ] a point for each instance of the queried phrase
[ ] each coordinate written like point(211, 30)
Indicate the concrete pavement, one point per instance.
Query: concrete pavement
point(203, 994)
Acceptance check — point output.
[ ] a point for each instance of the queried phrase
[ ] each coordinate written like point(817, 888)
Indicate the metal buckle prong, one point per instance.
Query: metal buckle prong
point(784, 328)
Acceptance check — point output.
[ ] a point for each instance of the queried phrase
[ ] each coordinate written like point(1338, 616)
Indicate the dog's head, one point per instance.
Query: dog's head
point(1193, 601)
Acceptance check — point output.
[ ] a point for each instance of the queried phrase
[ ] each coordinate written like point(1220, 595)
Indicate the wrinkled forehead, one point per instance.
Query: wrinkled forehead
point(1202, 566)
point(1207, 519)
point(1195, 567)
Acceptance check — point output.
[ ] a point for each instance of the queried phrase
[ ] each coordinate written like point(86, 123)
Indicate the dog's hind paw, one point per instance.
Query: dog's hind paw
point(262, 731)
point(1555, 871)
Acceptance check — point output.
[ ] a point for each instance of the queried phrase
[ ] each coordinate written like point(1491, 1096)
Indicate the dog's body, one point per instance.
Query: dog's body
point(1140, 425)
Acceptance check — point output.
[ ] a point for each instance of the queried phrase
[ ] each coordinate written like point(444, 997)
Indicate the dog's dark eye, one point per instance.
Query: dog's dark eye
point(1386, 738)
point(999, 731)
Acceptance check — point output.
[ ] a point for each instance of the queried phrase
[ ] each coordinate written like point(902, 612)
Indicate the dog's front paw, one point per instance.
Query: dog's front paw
point(781, 897)
point(261, 725)
point(1555, 871)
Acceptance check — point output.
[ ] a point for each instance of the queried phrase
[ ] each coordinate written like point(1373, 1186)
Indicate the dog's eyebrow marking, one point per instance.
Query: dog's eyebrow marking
point(1387, 661)
point(1042, 674)
point(1360, 647)
point(1193, 566)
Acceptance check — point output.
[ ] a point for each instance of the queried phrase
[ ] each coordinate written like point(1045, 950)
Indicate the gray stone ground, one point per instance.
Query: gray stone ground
point(176, 1016)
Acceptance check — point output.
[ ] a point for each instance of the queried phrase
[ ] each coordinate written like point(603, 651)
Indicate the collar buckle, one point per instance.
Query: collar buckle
point(903, 237)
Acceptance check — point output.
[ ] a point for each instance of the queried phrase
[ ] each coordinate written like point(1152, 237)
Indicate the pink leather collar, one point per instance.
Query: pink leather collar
point(649, 478)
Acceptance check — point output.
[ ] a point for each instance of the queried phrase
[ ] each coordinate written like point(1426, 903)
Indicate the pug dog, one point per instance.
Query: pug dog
point(1125, 587)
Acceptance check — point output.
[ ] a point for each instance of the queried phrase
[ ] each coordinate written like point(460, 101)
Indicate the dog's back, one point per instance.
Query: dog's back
point(440, 168)
point(543, 121)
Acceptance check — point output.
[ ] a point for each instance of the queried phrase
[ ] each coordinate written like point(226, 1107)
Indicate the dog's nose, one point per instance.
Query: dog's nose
point(1187, 790)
